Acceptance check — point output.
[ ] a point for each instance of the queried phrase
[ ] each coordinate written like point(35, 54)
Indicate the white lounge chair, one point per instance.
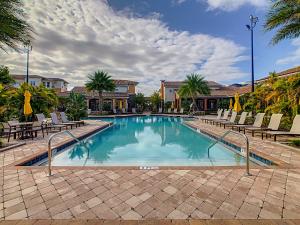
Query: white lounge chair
point(114, 111)
point(273, 125)
point(48, 124)
point(65, 119)
point(231, 121)
point(175, 111)
point(133, 110)
point(209, 118)
point(257, 122)
point(241, 121)
point(159, 110)
point(55, 121)
point(181, 111)
point(123, 110)
point(169, 110)
point(294, 131)
point(222, 119)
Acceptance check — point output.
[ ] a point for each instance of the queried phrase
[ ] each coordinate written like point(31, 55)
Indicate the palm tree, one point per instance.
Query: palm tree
point(285, 15)
point(194, 85)
point(14, 30)
point(100, 81)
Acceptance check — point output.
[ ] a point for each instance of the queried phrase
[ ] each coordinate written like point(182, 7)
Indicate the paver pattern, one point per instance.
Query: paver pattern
point(131, 194)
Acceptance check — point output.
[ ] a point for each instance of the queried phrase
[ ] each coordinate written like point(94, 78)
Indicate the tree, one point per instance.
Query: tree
point(155, 100)
point(5, 78)
point(194, 85)
point(76, 106)
point(285, 15)
point(14, 30)
point(100, 81)
point(139, 100)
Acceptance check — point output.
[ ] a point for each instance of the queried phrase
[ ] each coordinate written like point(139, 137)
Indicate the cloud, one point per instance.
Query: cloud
point(294, 58)
point(75, 38)
point(231, 5)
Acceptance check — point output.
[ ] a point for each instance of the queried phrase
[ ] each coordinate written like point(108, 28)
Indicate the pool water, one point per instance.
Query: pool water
point(147, 141)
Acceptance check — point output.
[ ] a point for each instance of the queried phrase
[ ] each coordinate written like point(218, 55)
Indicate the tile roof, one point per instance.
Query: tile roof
point(84, 91)
point(22, 77)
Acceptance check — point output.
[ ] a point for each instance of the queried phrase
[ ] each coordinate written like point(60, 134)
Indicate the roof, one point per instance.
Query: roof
point(84, 91)
point(125, 82)
point(284, 73)
point(22, 77)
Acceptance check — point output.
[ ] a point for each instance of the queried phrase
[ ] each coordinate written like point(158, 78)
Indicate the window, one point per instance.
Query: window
point(32, 82)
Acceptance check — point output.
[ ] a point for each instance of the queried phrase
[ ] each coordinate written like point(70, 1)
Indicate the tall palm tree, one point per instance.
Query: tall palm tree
point(285, 15)
point(194, 85)
point(100, 81)
point(14, 30)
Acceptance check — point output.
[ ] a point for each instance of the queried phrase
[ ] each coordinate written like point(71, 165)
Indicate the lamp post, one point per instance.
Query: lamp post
point(28, 48)
point(253, 21)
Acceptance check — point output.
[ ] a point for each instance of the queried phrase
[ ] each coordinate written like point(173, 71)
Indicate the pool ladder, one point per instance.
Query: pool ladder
point(50, 149)
point(247, 147)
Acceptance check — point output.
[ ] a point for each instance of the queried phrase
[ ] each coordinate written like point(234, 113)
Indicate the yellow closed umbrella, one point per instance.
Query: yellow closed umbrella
point(27, 106)
point(230, 104)
point(237, 106)
point(121, 104)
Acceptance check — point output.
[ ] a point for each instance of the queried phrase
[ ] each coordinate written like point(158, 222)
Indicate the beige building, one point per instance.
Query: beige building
point(120, 98)
point(60, 85)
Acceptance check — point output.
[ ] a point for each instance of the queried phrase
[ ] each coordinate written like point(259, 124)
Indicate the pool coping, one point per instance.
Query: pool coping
point(19, 164)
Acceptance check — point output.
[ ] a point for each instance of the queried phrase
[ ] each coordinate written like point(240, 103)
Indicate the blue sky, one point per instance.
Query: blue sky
point(149, 40)
point(195, 17)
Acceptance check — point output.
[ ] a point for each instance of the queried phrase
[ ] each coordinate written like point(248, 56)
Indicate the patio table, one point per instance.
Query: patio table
point(24, 127)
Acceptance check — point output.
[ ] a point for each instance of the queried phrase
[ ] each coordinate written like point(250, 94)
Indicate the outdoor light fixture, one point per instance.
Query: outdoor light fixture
point(28, 48)
point(253, 22)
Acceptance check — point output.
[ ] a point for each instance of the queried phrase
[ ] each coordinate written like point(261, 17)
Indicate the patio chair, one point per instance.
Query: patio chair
point(56, 123)
point(241, 121)
point(208, 118)
point(231, 121)
point(181, 111)
point(257, 122)
point(169, 110)
point(115, 111)
point(65, 119)
point(124, 111)
point(224, 118)
point(273, 125)
point(9, 130)
point(294, 131)
point(36, 126)
point(133, 110)
point(175, 111)
point(159, 110)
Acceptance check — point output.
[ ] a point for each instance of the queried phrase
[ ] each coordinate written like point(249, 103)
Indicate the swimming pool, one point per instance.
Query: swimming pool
point(147, 141)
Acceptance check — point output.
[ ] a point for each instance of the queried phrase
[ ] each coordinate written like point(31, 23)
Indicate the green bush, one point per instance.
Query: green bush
point(296, 142)
point(76, 107)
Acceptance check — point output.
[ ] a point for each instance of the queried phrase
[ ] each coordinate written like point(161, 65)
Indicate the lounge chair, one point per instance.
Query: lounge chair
point(257, 122)
point(36, 126)
point(181, 111)
point(65, 120)
point(241, 121)
point(273, 125)
point(207, 119)
point(115, 111)
point(55, 122)
point(133, 110)
point(124, 111)
point(294, 131)
point(169, 110)
point(160, 110)
point(222, 119)
point(231, 121)
point(175, 111)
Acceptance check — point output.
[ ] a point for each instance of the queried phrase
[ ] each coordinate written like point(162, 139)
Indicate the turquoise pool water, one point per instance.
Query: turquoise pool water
point(147, 141)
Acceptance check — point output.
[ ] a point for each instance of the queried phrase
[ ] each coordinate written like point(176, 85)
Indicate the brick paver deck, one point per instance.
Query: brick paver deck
point(169, 194)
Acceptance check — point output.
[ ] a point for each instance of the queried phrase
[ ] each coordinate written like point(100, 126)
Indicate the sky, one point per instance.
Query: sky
point(150, 40)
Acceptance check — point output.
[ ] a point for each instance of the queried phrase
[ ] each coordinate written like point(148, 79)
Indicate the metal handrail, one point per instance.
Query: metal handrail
point(247, 147)
point(50, 150)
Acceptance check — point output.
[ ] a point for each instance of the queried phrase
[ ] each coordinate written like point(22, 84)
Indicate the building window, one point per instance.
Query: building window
point(32, 82)
point(46, 84)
